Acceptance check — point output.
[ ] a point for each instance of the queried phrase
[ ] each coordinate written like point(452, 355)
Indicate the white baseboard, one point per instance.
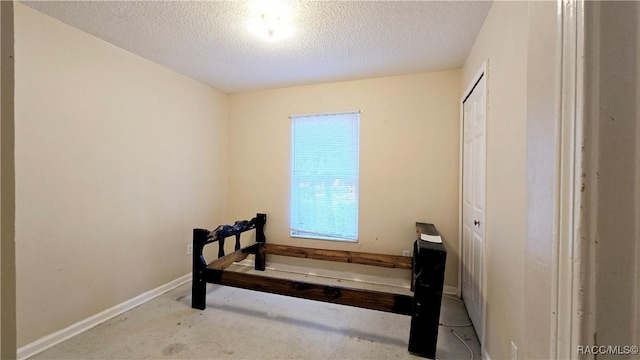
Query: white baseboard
point(450, 290)
point(485, 354)
point(42, 344)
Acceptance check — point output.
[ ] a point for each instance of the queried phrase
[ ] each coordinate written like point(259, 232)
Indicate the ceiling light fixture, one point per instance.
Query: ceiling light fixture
point(271, 20)
point(271, 23)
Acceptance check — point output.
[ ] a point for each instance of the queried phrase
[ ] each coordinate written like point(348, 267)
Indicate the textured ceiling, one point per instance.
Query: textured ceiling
point(330, 40)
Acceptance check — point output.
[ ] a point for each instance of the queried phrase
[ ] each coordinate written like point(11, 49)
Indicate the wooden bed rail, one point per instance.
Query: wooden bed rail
point(236, 256)
point(366, 299)
point(353, 257)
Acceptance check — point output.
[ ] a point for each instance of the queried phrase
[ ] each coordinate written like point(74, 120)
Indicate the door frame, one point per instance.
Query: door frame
point(482, 71)
point(569, 248)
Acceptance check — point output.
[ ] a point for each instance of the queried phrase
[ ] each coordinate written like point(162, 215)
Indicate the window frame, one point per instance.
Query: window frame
point(345, 236)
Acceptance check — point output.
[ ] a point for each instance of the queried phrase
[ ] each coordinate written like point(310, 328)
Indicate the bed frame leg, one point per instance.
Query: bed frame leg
point(198, 284)
point(428, 273)
point(260, 261)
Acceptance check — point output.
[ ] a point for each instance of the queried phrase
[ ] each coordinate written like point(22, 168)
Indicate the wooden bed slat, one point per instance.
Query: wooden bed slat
point(362, 258)
point(375, 300)
point(239, 255)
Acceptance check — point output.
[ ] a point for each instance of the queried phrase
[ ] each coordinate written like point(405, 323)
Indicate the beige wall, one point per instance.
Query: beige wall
point(117, 159)
point(542, 172)
point(409, 157)
point(503, 42)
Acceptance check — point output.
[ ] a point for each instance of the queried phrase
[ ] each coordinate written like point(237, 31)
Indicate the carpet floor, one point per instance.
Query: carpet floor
point(244, 324)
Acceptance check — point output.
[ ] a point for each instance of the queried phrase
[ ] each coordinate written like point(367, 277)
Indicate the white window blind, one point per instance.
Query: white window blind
point(325, 156)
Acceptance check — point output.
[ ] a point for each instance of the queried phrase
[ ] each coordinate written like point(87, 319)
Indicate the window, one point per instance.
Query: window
point(325, 156)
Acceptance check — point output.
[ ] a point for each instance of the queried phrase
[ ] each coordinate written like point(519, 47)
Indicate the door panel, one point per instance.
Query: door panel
point(466, 260)
point(473, 203)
